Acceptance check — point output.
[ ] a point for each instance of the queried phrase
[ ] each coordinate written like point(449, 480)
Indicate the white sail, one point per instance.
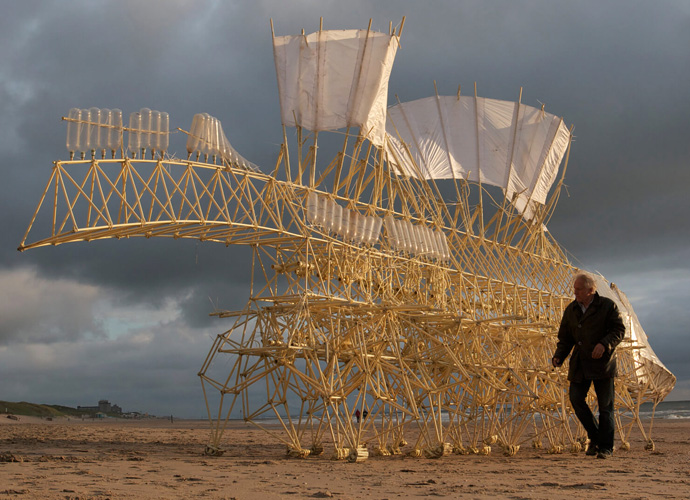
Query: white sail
point(502, 143)
point(334, 79)
point(648, 368)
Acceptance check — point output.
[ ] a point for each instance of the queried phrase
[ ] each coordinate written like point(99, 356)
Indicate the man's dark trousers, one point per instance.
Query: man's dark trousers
point(600, 434)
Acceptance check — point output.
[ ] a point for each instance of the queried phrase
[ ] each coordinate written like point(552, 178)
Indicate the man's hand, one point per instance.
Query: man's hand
point(598, 351)
point(556, 362)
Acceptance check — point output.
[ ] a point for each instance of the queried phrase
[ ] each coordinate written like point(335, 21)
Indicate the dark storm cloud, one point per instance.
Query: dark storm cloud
point(152, 369)
point(616, 70)
point(39, 310)
point(147, 54)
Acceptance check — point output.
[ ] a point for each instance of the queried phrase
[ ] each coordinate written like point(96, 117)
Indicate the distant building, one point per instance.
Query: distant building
point(104, 406)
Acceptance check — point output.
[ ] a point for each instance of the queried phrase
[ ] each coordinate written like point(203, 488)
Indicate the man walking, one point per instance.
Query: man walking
point(592, 328)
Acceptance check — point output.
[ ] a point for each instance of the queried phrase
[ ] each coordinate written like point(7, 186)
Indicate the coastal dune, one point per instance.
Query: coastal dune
point(157, 458)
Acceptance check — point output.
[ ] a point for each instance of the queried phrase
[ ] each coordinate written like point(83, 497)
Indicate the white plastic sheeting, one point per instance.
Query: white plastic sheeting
point(502, 143)
point(334, 79)
point(647, 363)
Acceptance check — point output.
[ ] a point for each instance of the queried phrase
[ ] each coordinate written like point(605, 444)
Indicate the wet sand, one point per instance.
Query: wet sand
point(147, 459)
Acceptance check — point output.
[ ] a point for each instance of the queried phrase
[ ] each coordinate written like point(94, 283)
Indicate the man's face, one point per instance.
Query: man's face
point(582, 293)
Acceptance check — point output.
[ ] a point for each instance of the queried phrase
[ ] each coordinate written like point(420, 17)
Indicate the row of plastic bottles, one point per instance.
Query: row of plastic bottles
point(403, 236)
point(417, 240)
point(206, 137)
point(92, 130)
point(350, 225)
point(148, 131)
point(97, 129)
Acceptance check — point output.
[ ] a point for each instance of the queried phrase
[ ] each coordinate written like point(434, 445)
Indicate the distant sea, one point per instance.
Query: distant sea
point(666, 410)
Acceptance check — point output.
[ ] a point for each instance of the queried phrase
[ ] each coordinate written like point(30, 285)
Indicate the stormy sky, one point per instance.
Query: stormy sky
point(128, 320)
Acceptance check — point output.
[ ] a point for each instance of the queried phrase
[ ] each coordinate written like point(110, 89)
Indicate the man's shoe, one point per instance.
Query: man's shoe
point(591, 450)
point(604, 454)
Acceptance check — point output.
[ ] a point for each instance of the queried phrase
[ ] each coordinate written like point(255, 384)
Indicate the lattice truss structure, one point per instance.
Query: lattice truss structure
point(428, 307)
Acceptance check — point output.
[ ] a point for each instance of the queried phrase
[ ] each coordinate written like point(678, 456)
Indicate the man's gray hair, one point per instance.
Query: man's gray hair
point(587, 280)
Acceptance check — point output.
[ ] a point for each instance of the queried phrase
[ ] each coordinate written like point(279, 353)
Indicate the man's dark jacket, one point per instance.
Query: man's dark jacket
point(601, 323)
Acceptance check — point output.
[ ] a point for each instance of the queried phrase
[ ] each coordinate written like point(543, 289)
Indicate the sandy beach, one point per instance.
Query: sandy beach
point(156, 458)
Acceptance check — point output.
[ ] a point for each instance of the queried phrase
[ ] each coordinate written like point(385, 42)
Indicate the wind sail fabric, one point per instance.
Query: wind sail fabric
point(335, 79)
point(648, 370)
point(502, 143)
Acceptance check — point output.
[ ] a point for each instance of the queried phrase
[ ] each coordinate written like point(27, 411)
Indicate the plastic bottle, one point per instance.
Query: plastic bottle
point(224, 148)
point(337, 219)
point(312, 206)
point(219, 138)
point(367, 228)
point(392, 232)
point(361, 228)
point(410, 237)
point(446, 248)
point(91, 116)
point(328, 214)
point(354, 227)
point(443, 244)
point(376, 232)
point(115, 131)
point(428, 244)
point(205, 142)
point(102, 131)
point(146, 119)
point(345, 224)
point(421, 243)
point(321, 211)
point(400, 227)
point(153, 132)
point(74, 132)
point(435, 249)
point(195, 133)
point(211, 132)
point(419, 240)
point(134, 141)
point(163, 133)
